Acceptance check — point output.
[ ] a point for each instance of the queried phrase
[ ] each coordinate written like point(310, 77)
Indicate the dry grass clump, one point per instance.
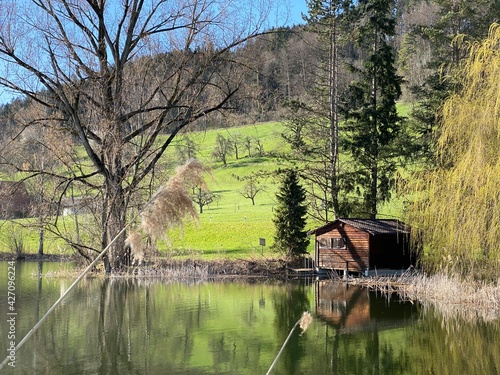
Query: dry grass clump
point(450, 296)
point(186, 271)
point(172, 204)
point(453, 297)
point(137, 251)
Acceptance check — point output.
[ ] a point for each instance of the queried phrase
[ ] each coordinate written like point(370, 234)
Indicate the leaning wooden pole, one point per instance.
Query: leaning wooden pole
point(58, 302)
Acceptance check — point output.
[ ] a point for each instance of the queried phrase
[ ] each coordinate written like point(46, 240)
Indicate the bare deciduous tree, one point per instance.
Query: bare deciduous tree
point(235, 139)
point(252, 185)
point(248, 145)
point(251, 189)
point(223, 147)
point(123, 78)
point(202, 197)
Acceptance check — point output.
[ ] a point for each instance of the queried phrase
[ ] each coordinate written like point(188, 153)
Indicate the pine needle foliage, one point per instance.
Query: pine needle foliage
point(457, 208)
point(290, 217)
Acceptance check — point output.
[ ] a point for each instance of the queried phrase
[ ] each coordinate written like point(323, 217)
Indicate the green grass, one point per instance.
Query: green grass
point(231, 226)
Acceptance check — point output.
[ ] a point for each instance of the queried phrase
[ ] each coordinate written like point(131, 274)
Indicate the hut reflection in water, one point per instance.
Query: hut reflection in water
point(353, 308)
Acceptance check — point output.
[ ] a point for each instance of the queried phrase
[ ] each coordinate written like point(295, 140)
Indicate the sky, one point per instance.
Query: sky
point(297, 7)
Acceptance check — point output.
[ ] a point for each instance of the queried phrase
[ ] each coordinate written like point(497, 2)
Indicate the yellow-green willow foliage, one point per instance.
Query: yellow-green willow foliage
point(457, 209)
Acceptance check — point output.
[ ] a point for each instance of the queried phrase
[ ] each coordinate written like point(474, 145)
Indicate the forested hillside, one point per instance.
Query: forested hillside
point(103, 105)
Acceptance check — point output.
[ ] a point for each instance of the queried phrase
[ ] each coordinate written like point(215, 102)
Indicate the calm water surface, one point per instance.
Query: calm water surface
point(120, 326)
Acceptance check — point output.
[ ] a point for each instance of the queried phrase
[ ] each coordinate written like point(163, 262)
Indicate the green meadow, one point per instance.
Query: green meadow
point(231, 226)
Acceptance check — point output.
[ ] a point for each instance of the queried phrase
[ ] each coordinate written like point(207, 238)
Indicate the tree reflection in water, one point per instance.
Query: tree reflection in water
point(125, 326)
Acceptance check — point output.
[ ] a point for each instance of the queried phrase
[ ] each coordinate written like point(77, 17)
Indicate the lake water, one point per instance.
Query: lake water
point(124, 326)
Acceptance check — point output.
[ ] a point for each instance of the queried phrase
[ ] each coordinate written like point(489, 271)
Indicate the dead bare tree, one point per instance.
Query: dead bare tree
point(124, 78)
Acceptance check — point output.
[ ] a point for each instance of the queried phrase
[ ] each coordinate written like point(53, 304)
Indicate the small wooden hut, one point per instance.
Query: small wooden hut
point(358, 245)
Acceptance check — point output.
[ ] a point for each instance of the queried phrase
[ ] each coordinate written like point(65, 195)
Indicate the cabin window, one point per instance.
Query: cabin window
point(332, 243)
point(323, 243)
point(338, 243)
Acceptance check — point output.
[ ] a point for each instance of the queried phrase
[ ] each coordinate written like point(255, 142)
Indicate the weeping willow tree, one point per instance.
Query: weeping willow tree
point(457, 208)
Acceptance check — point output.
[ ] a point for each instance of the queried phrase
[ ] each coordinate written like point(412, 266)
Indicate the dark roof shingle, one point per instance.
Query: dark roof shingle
point(372, 226)
point(378, 226)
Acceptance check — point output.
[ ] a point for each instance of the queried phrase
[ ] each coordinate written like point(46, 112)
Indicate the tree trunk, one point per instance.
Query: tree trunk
point(113, 221)
point(372, 201)
point(40, 240)
point(334, 119)
point(114, 214)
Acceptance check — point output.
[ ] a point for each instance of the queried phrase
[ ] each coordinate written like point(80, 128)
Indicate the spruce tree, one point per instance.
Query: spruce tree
point(373, 124)
point(290, 212)
point(314, 119)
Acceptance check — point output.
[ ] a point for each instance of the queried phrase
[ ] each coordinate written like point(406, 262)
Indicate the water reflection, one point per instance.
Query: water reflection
point(290, 302)
point(351, 308)
point(125, 326)
point(358, 325)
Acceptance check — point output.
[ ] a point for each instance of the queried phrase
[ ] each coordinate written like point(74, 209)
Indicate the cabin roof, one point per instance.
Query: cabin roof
point(372, 226)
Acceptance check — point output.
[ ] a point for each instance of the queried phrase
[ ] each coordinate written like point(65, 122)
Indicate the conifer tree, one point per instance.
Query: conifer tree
point(290, 237)
point(373, 124)
point(313, 129)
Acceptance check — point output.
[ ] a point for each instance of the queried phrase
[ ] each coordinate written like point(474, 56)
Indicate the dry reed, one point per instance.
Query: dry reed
point(304, 322)
point(451, 297)
point(172, 203)
point(137, 250)
point(176, 271)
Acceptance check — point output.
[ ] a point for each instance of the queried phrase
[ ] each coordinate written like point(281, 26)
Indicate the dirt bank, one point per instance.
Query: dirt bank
point(164, 266)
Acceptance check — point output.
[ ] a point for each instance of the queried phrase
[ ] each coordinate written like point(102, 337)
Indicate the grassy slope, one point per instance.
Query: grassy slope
point(231, 226)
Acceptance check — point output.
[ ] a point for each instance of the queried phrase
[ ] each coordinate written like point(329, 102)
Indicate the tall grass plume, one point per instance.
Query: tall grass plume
point(170, 206)
point(137, 251)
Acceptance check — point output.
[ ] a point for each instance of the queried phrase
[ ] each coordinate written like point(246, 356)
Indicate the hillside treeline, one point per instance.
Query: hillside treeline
point(429, 37)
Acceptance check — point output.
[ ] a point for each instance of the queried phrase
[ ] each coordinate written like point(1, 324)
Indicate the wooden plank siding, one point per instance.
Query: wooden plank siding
point(354, 257)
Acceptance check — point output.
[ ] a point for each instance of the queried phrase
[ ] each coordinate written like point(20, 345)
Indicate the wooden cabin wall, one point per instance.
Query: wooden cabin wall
point(355, 256)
